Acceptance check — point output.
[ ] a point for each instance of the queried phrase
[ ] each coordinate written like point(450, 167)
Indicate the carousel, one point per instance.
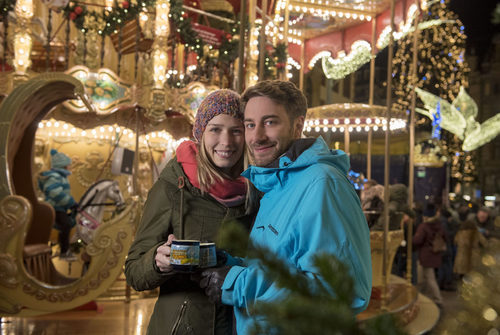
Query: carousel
point(115, 86)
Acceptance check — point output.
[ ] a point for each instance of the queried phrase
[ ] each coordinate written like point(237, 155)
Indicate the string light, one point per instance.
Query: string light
point(361, 124)
point(160, 140)
point(344, 64)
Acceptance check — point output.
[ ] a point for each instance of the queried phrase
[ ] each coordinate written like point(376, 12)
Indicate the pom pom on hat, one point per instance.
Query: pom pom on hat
point(58, 159)
point(218, 102)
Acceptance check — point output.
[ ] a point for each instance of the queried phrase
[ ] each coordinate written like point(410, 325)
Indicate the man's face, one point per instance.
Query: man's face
point(268, 131)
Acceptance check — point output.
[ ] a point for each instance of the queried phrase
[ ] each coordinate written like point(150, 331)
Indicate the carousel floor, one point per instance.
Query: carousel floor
point(120, 318)
point(110, 318)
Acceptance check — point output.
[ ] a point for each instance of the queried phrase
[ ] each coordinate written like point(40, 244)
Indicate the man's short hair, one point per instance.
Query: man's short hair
point(283, 93)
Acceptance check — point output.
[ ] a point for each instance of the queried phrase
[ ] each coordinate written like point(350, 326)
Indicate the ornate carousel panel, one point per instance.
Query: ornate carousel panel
point(30, 283)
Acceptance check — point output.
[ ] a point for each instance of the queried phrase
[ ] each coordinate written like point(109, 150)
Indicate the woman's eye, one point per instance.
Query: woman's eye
point(214, 130)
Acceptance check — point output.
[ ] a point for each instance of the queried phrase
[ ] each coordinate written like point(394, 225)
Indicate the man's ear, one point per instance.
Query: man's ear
point(298, 126)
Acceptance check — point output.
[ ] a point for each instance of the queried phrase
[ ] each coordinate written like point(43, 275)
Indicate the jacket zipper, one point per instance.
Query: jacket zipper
point(179, 318)
point(181, 185)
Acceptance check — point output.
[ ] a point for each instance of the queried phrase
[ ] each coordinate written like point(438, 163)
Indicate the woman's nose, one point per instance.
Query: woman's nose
point(226, 138)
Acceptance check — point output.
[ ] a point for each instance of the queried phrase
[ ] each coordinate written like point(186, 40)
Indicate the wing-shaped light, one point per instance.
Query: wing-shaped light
point(451, 119)
point(424, 112)
point(346, 64)
point(483, 134)
point(468, 107)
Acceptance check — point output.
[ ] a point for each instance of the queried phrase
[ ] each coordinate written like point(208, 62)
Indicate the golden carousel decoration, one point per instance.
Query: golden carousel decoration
point(26, 222)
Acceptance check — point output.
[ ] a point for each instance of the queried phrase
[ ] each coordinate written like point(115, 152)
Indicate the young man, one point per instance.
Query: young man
point(309, 206)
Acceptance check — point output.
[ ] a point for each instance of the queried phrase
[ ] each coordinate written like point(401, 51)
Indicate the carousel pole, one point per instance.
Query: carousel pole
point(285, 37)
point(241, 48)
point(302, 60)
point(347, 139)
point(135, 184)
point(262, 41)
point(387, 161)
point(411, 172)
point(370, 98)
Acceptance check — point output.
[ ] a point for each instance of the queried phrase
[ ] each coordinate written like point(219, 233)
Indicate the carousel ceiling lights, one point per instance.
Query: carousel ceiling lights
point(351, 117)
point(63, 132)
point(353, 124)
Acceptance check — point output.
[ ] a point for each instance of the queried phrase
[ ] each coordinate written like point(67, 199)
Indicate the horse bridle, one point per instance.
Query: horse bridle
point(90, 204)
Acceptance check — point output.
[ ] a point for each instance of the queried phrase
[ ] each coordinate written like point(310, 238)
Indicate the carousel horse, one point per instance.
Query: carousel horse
point(92, 205)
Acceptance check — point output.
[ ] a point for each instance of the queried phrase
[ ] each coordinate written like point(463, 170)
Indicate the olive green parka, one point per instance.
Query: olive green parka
point(182, 307)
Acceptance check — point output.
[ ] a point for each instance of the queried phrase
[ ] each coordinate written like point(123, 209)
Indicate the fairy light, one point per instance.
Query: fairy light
point(353, 124)
point(442, 68)
point(343, 65)
point(317, 57)
point(22, 52)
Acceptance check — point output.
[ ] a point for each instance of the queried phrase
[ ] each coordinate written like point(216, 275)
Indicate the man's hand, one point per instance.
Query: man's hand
point(162, 258)
point(212, 280)
point(221, 256)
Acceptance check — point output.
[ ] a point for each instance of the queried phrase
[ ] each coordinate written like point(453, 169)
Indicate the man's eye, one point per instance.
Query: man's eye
point(270, 122)
point(249, 125)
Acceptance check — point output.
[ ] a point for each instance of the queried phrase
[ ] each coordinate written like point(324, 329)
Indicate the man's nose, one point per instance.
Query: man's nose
point(260, 134)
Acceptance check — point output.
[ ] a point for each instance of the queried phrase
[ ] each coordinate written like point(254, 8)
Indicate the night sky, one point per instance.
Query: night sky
point(476, 17)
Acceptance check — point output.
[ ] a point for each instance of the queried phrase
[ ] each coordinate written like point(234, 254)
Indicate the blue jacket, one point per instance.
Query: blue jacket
point(309, 207)
point(55, 186)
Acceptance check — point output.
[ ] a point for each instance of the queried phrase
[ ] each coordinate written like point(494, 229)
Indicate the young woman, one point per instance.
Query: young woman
point(202, 188)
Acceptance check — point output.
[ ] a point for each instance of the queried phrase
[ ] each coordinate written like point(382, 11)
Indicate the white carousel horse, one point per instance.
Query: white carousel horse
point(92, 205)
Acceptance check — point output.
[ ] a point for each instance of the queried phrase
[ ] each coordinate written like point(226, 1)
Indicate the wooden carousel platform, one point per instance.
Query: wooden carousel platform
point(417, 312)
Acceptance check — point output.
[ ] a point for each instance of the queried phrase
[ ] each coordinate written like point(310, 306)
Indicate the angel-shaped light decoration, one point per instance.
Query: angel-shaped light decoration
point(459, 118)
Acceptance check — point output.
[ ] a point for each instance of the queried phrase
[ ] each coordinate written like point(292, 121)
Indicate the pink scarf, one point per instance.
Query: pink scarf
point(228, 192)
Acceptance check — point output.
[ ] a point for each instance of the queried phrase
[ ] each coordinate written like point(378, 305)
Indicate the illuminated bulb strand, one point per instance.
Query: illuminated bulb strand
point(317, 57)
point(353, 125)
point(315, 9)
point(109, 133)
point(346, 64)
point(291, 62)
point(361, 50)
point(405, 29)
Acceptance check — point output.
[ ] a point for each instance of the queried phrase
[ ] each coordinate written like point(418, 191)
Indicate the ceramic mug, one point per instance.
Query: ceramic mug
point(208, 256)
point(185, 255)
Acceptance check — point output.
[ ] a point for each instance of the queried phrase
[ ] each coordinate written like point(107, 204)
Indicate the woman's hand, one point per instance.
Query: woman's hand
point(162, 257)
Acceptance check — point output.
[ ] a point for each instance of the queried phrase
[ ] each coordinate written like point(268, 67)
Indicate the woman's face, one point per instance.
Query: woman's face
point(224, 140)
